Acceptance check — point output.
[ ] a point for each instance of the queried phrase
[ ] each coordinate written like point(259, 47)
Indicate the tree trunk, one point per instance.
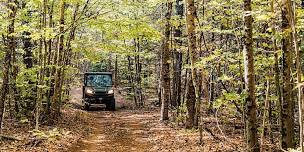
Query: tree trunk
point(276, 65)
point(165, 81)
point(287, 121)
point(14, 69)
point(292, 14)
point(10, 46)
point(191, 28)
point(68, 53)
point(177, 55)
point(251, 107)
point(50, 71)
point(137, 84)
point(266, 123)
point(190, 102)
point(116, 72)
point(57, 91)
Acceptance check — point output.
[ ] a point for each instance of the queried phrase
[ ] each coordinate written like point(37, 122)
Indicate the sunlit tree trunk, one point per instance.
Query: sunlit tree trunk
point(251, 107)
point(58, 76)
point(68, 54)
point(165, 73)
point(191, 28)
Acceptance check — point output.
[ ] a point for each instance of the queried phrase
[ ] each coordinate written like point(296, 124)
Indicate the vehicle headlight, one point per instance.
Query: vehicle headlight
point(110, 91)
point(90, 91)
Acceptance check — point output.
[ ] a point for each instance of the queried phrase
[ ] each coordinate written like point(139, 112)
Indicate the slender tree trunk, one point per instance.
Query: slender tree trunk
point(50, 71)
point(116, 71)
point(191, 28)
point(165, 89)
point(42, 64)
point(66, 80)
point(190, 102)
point(177, 55)
point(130, 74)
point(251, 107)
point(14, 69)
point(266, 122)
point(292, 21)
point(135, 87)
point(138, 89)
point(10, 43)
point(287, 121)
point(40, 81)
point(57, 91)
point(276, 65)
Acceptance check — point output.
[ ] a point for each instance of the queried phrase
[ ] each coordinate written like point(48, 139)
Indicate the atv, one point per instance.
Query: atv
point(98, 89)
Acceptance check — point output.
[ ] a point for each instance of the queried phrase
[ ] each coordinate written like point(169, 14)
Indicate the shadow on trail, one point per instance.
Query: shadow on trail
point(96, 108)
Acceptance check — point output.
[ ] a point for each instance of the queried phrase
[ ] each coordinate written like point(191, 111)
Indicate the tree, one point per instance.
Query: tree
point(165, 78)
point(10, 47)
point(287, 123)
point(292, 22)
point(251, 107)
point(191, 29)
point(56, 99)
point(177, 56)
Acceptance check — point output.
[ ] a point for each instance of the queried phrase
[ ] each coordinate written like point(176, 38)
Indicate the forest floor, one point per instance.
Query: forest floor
point(73, 125)
point(125, 130)
point(130, 130)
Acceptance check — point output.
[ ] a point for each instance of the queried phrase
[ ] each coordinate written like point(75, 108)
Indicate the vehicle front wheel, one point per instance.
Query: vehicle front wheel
point(86, 107)
point(111, 105)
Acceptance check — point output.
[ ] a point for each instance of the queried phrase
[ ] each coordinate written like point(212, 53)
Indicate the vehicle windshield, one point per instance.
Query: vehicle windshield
point(99, 80)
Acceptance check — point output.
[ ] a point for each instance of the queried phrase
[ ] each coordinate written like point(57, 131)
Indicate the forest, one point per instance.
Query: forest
point(188, 75)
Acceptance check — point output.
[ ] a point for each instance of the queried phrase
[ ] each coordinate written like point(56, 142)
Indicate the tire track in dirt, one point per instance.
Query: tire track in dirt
point(119, 131)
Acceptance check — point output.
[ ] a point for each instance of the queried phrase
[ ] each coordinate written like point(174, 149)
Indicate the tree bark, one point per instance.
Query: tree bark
point(266, 123)
point(190, 102)
point(137, 84)
point(10, 43)
point(116, 71)
point(287, 122)
point(276, 65)
point(191, 28)
point(57, 91)
point(292, 21)
point(50, 71)
point(165, 81)
point(251, 107)
point(177, 55)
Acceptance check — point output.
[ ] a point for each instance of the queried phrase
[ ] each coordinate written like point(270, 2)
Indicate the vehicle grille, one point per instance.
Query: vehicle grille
point(98, 94)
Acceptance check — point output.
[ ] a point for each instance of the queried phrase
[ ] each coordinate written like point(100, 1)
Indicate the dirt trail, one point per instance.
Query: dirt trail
point(119, 131)
point(141, 131)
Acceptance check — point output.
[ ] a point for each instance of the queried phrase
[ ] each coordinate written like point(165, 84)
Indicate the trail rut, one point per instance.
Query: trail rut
point(119, 131)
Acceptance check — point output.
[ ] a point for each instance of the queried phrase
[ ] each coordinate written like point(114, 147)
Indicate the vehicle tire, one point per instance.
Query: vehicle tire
point(111, 105)
point(86, 107)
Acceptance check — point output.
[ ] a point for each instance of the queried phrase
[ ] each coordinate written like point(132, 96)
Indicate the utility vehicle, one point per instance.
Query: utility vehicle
point(98, 89)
